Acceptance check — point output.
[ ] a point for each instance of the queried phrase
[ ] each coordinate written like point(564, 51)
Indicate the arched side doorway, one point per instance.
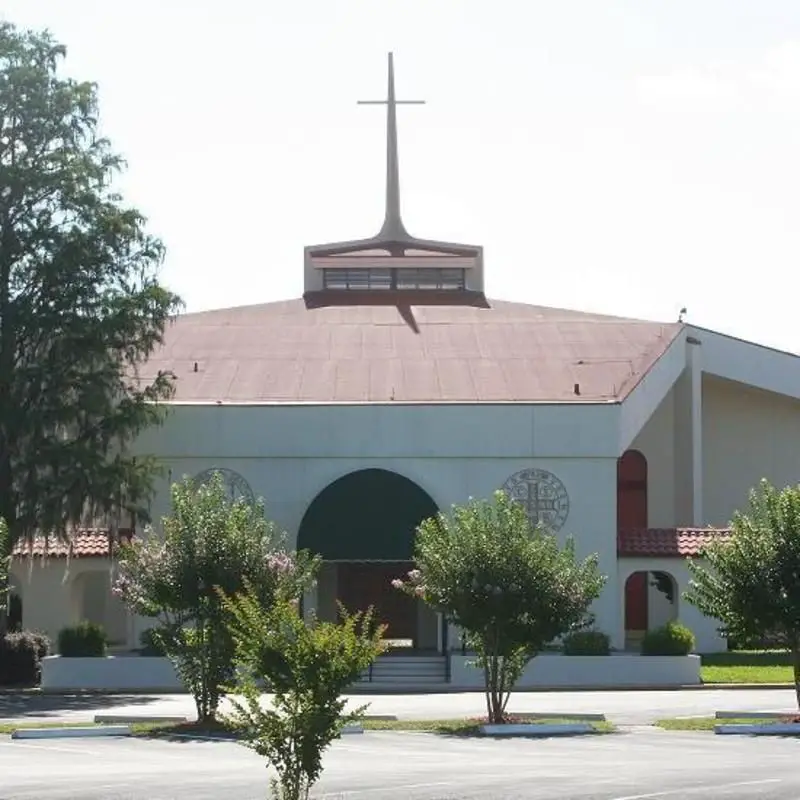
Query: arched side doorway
point(363, 525)
point(651, 600)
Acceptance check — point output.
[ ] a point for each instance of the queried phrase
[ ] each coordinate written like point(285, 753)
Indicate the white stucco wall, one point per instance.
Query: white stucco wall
point(56, 594)
point(288, 454)
point(748, 434)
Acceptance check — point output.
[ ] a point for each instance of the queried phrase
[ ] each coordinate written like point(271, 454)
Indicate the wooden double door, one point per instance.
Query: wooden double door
point(362, 584)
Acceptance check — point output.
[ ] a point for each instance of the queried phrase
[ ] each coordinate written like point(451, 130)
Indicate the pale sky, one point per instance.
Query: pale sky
point(623, 157)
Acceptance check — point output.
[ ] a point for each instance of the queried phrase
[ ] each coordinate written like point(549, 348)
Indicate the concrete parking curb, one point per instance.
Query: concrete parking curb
point(133, 719)
point(536, 729)
point(759, 729)
point(560, 715)
point(71, 733)
point(353, 727)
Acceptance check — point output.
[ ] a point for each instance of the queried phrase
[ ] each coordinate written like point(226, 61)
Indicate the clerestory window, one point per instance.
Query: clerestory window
point(437, 279)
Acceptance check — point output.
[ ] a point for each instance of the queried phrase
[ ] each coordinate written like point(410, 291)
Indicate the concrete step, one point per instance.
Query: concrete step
point(406, 670)
point(380, 676)
point(403, 679)
point(408, 665)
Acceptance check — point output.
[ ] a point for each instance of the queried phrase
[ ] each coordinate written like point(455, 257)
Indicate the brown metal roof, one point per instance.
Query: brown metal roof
point(363, 261)
point(670, 542)
point(408, 347)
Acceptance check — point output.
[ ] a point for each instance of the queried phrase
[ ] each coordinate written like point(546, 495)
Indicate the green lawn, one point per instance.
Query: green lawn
point(452, 727)
point(706, 723)
point(7, 727)
point(747, 666)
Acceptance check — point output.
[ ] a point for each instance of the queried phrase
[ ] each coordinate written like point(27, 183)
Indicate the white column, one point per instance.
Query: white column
point(310, 602)
point(130, 630)
point(694, 356)
point(688, 439)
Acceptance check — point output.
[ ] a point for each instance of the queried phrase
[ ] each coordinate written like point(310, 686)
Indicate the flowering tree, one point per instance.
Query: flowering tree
point(751, 582)
point(307, 667)
point(210, 545)
point(508, 585)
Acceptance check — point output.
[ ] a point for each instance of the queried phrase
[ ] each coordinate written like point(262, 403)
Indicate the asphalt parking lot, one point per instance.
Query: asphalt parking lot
point(640, 764)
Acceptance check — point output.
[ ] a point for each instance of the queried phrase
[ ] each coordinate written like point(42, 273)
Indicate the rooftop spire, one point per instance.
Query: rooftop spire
point(393, 228)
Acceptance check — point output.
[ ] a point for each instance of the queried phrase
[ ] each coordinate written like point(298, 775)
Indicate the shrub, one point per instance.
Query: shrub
point(21, 657)
point(152, 643)
point(308, 667)
point(84, 640)
point(748, 582)
point(511, 587)
point(586, 643)
point(672, 639)
point(211, 544)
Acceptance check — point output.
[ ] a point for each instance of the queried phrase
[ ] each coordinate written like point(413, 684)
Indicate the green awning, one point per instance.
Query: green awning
point(367, 515)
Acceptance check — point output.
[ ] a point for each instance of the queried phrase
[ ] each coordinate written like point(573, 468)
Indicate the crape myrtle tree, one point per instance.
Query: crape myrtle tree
point(509, 585)
point(212, 548)
point(307, 665)
point(750, 581)
point(81, 308)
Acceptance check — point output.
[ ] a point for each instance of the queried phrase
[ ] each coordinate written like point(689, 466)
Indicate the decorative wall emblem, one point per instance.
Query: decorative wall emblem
point(544, 496)
point(234, 483)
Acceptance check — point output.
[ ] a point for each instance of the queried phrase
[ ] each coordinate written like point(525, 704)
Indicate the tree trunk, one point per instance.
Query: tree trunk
point(496, 714)
point(487, 688)
point(796, 664)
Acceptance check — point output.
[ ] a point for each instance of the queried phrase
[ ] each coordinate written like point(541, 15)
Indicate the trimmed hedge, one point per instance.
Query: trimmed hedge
point(21, 657)
point(586, 643)
point(672, 639)
point(84, 640)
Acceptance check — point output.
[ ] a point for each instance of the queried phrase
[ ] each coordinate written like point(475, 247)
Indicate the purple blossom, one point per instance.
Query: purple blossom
point(280, 562)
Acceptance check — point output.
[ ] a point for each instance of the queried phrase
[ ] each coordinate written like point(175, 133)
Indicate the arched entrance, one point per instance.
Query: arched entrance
point(651, 600)
point(363, 525)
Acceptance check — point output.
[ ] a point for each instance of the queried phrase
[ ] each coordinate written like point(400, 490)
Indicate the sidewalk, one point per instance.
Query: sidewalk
point(641, 707)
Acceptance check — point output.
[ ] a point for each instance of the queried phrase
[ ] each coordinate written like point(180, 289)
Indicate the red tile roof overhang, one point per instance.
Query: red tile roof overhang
point(666, 542)
point(83, 543)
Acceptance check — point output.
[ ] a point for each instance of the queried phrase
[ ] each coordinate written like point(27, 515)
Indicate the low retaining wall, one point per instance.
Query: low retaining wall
point(152, 674)
point(110, 674)
point(552, 670)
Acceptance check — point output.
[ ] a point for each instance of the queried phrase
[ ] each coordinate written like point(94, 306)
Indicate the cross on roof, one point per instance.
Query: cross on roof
point(393, 228)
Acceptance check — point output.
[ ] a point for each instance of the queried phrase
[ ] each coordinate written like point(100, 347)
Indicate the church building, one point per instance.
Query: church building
point(394, 388)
